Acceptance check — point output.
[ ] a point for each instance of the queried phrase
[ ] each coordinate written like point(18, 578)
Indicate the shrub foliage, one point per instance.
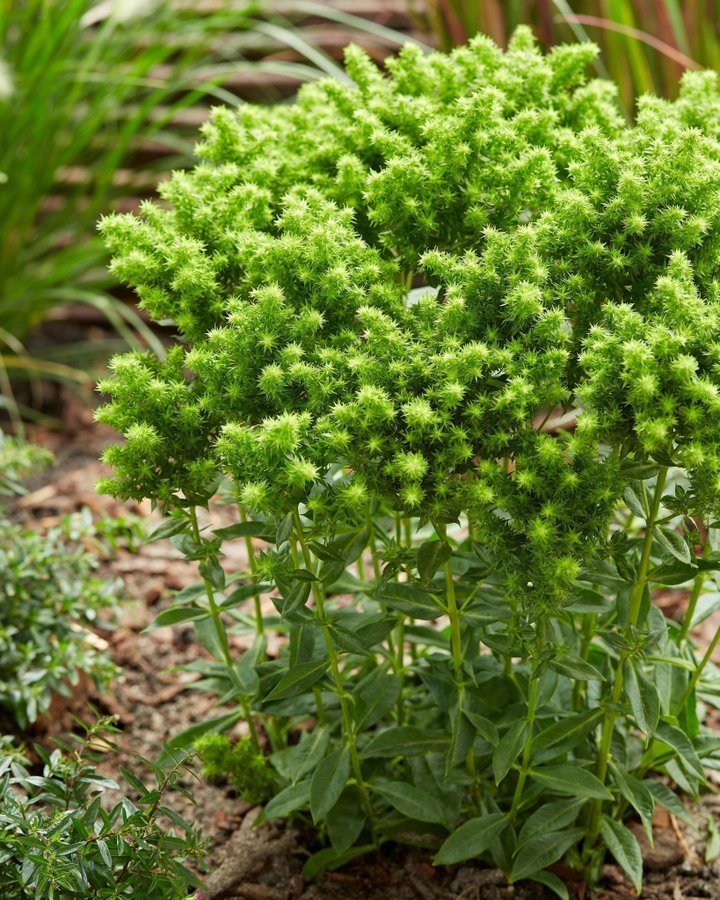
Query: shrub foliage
point(59, 839)
point(450, 338)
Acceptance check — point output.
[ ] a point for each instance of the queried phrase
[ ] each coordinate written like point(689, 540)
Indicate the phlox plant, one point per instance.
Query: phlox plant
point(449, 337)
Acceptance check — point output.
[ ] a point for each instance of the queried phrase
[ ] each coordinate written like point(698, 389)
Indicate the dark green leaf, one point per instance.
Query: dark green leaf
point(328, 782)
point(550, 817)
point(243, 593)
point(411, 801)
point(637, 470)
point(207, 635)
point(134, 781)
point(211, 571)
point(330, 572)
point(635, 503)
point(562, 736)
point(637, 795)
point(484, 727)
point(680, 742)
point(298, 680)
point(346, 820)
point(672, 573)
point(572, 780)
point(508, 750)
point(430, 556)
point(552, 882)
point(673, 544)
point(349, 642)
point(176, 615)
point(296, 761)
point(329, 859)
point(575, 667)
point(624, 847)
point(295, 597)
point(284, 529)
point(543, 851)
point(411, 600)
point(643, 698)
point(587, 601)
point(405, 740)
point(167, 529)
point(246, 529)
point(294, 797)
point(471, 839)
point(375, 699)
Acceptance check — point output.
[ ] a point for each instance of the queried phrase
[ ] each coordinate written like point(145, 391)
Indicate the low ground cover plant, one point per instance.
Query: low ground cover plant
point(59, 840)
point(449, 337)
point(50, 599)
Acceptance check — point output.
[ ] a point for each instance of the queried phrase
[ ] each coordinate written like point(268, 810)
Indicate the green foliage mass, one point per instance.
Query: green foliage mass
point(50, 598)
point(465, 293)
point(240, 763)
point(60, 839)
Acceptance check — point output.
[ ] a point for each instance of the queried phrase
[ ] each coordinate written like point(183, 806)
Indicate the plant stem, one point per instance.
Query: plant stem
point(635, 605)
point(372, 544)
point(525, 762)
point(692, 684)
point(348, 729)
point(455, 640)
point(252, 563)
point(697, 587)
point(589, 626)
point(222, 638)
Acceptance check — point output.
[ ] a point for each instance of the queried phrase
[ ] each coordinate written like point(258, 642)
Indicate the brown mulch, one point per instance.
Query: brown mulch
point(153, 701)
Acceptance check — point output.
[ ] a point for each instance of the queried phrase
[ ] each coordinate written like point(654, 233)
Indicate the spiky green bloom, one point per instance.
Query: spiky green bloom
point(285, 261)
point(570, 262)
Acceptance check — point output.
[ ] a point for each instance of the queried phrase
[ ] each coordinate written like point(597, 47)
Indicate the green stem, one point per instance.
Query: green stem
point(455, 641)
point(222, 637)
point(692, 684)
point(525, 762)
point(348, 729)
point(252, 563)
point(372, 543)
point(589, 626)
point(697, 587)
point(404, 533)
point(635, 605)
point(400, 669)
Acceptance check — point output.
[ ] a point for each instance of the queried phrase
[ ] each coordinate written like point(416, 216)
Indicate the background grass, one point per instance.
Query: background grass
point(646, 44)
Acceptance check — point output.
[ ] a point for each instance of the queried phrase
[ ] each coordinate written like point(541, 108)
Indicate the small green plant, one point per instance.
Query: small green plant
point(18, 460)
point(247, 770)
point(58, 840)
point(450, 338)
point(50, 598)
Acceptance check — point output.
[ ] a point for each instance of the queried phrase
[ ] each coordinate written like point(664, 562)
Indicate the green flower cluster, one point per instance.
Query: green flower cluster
point(566, 262)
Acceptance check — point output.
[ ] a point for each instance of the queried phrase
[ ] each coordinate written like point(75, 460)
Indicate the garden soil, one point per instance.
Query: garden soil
point(152, 700)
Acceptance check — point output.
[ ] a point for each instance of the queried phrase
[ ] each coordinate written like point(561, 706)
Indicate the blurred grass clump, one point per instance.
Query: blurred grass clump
point(92, 98)
point(645, 45)
point(79, 89)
